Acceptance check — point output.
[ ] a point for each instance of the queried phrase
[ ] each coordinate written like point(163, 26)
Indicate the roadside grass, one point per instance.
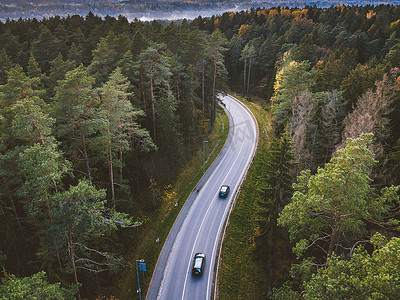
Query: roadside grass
point(240, 275)
point(159, 223)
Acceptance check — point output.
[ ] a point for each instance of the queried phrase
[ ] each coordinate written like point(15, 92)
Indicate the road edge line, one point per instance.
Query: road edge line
point(214, 288)
point(183, 214)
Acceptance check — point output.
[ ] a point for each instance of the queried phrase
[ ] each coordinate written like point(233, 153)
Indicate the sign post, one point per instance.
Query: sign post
point(142, 267)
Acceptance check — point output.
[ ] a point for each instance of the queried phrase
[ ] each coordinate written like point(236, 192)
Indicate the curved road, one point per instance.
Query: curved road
point(201, 221)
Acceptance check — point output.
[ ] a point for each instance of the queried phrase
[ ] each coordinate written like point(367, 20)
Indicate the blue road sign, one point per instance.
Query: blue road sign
point(142, 266)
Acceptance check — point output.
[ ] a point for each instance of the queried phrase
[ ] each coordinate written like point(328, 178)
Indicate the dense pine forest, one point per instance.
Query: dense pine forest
point(97, 115)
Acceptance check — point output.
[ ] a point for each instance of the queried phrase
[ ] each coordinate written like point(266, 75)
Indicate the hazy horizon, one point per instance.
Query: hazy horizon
point(151, 10)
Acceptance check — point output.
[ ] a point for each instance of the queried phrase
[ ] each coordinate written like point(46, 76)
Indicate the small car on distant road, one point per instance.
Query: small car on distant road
point(224, 191)
point(199, 261)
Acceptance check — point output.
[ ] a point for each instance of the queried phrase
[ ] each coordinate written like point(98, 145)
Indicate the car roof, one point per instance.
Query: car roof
point(198, 262)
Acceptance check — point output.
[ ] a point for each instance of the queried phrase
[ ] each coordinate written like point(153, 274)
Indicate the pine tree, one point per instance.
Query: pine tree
point(5, 65)
point(45, 48)
point(80, 219)
point(249, 54)
point(155, 64)
point(292, 79)
point(104, 60)
point(120, 126)
point(33, 68)
point(329, 209)
point(276, 191)
point(75, 104)
point(216, 46)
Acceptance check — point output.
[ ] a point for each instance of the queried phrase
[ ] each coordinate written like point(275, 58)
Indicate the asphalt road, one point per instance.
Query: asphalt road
point(201, 221)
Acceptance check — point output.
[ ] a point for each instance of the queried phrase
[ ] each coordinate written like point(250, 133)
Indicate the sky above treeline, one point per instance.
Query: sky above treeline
point(155, 9)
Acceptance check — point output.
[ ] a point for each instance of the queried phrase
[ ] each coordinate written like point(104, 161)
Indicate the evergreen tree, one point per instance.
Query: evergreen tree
point(120, 126)
point(33, 287)
point(362, 78)
point(18, 88)
point(129, 69)
point(357, 277)
point(33, 68)
point(276, 191)
point(80, 218)
point(42, 168)
point(329, 209)
point(292, 79)
point(45, 48)
point(249, 54)
point(31, 123)
point(75, 104)
point(216, 46)
point(5, 65)
point(155, 65)
point(105, 59)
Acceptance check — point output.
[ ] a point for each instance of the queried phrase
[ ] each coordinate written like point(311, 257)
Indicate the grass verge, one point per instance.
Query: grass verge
point(240, 276)
point(160, 222)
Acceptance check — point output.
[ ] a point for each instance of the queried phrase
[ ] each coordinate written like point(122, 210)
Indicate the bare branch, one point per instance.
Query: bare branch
point(91, 270)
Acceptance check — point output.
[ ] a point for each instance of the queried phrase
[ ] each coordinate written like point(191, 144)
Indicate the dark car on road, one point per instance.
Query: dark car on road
point(199, 261)
point(224, 191)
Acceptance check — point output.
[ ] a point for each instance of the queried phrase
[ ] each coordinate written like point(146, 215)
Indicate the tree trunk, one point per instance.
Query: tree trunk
point(86, 158)
point(142, 91)
point(110, 160)
point(120, 154)
point(178, 91)
point(152, 103)
point(112, 178)
point(13, 206)
point(248, 80)
point(335, 231)
point(244, 77)
point(214, 83)
point(71, 253)
point(202, 85)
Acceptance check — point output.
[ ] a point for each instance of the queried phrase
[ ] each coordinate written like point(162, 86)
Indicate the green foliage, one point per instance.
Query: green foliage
point(58, 69)
point(41, 168)
point(171, 72)
point(216, 47)
point(30, 122)
point(104, 58)
point(5, 65)
point(74, 106)
point(45, 48)
point(363, 276)
point(33, 68)
point(275, 187)
point(333, 69)
point(80, 218)
point(118, 125)
point(359, 80)
point(33, 287)
point(285, 293)
point(18, 87)
point(292, 79)
point(334, 201)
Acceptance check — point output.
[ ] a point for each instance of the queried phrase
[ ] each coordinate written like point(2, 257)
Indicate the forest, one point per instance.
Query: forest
point(95, 111)
point(154, 9)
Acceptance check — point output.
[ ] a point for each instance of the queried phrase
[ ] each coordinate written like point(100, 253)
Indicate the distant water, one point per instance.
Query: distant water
point(163, 10)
